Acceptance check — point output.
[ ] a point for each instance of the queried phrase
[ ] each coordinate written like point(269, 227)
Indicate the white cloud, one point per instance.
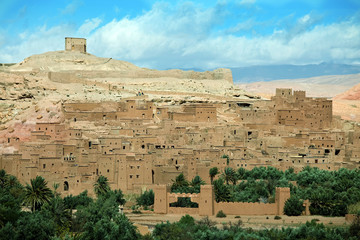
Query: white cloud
point(42, 40)
point(187, 36)
point(72, 7)
point(89, 26)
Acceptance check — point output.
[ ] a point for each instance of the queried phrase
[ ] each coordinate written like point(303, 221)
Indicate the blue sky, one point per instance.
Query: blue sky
point(187, 34)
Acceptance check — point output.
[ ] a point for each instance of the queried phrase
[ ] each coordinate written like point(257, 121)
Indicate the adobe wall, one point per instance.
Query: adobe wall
point(64, 77)
point(244, 208)
point(208, 206)
point(75, 44)
point(177, 210)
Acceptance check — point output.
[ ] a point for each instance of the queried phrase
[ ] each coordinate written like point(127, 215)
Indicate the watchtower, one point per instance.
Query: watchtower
point(75, 44)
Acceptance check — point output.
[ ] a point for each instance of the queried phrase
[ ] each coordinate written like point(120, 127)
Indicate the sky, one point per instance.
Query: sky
point(203, 34)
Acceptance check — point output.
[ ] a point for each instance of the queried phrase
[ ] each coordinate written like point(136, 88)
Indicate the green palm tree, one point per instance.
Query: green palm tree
point(4, 178)
point(180, 183)
point(241, 173)
point(229, 175)
point(59, 214)
point(213, 172)
point(197, 181)
point(101, 186)
point(222, 192)
point(37, 193)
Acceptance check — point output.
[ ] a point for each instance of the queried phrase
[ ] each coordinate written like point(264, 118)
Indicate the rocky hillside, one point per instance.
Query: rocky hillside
point(351, 94)
point(32, 91)
point(324, 86)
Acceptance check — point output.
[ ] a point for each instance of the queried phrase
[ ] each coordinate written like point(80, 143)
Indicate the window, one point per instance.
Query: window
point(66, 186)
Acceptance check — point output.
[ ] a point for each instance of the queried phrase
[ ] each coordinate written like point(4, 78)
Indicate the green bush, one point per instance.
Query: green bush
point(354, 208)
point(72, 202)
point(220, 214)
point(146, 198)
point(355, 228)
point(293, 206)
point(277, 217)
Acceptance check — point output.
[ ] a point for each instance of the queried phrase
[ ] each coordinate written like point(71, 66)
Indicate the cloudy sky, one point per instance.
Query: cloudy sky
point(203, 34)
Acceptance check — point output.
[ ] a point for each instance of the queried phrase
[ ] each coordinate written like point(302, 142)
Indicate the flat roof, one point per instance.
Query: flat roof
point(74, 38)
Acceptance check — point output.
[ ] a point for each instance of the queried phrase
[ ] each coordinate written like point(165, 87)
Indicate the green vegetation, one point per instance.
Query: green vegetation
point(37, 193)
point(51, 216)
point(221, 214)
point(293, 206)
point(330, 192)
point(181, 185)
point(188, 228)
point(212, 173)
point(354, 208)
point(146, 199)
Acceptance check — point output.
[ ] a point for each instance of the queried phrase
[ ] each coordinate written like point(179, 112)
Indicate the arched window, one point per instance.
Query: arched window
point(66, 186)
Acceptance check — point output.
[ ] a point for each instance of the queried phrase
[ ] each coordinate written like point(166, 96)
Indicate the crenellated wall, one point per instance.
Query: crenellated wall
point(208, 206)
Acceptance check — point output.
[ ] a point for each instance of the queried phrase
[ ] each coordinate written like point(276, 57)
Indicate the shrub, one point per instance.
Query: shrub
point(354, 229)
point(354, 208)
point(293, 206)
point(187, 220)
point(220, 214)
point(237, 217)
point(136, 211)
point(146, 198)
point(206, 222)
point(277, 217)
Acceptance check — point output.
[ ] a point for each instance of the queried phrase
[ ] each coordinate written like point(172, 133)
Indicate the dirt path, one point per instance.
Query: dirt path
point(150, 219)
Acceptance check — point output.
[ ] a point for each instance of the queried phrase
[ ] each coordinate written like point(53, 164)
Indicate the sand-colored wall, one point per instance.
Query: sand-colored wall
point(177, 210)
point(244, 208)
point(75, 44)
point(208, 206)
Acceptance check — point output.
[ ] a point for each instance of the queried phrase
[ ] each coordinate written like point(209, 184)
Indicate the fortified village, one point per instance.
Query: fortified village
point(141, 128)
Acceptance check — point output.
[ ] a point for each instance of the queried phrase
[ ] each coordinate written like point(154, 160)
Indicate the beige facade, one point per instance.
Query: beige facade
point(137, 143)
point(75, 44)
point(208, 206)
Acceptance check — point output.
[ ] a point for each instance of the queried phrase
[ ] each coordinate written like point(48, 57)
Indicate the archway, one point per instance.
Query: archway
point(66, 186)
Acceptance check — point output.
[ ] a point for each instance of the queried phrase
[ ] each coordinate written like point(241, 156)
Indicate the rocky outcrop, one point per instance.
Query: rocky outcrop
point(351, 94)
point(71, 65)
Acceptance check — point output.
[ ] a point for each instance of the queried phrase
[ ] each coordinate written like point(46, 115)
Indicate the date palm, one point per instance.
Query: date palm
point(229, 175)
point(101, 186)
point(37, 193)
point(213, 172)
point(4, 178)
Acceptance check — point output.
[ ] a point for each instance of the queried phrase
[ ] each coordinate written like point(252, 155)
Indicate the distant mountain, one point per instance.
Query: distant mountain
point(277, 72)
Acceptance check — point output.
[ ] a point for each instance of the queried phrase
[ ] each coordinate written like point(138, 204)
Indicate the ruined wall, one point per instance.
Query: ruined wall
point(75, 44)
